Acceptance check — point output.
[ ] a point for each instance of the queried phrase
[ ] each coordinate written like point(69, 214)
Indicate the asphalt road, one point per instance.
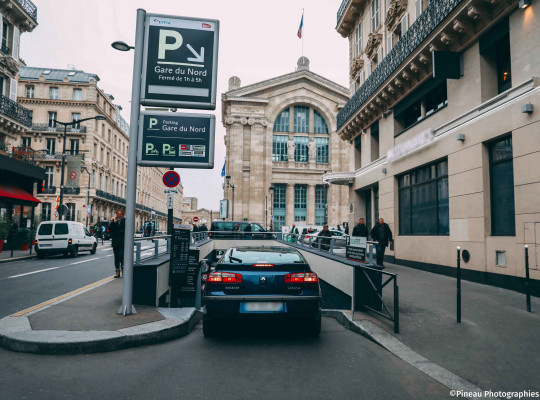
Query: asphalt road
point(263, 362)
point(26, 283)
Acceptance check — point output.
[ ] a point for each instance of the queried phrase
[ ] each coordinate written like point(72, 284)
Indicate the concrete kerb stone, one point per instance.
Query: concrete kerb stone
point(383, 338)
point(17, 335)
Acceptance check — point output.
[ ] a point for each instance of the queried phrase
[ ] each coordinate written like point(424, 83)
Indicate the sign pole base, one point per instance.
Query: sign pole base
point(124, 310)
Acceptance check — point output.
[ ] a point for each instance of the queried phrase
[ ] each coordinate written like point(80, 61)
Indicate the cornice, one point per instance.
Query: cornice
point(245, 121)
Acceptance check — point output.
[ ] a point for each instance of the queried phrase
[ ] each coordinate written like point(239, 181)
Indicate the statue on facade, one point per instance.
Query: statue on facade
point(290, 150)
point(312, 150)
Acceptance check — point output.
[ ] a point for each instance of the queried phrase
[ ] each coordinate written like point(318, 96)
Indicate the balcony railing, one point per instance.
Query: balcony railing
point(428, 21)
point(49, 190)
point(22, 153)
point(47, 128)
point(14, 110)
point(342, 9)
point(72, 190)
point(29, 7)
point(121, 200)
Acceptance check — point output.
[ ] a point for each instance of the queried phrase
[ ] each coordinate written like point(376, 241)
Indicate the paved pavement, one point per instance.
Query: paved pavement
point(496, 346)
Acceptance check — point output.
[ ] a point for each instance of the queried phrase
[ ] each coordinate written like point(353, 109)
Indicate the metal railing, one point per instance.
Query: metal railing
point(29, 7)
point(160, 245)
point(14, 110)
point(49, 190)
point(341, 10)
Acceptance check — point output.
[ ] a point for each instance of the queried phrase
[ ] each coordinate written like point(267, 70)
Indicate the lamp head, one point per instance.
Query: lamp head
point(99, 117)
point(121, 46)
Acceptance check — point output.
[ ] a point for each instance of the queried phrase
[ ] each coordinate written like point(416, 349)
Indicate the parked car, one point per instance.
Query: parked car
point(342, 239)
point(261, 282)
point(238, 230)
point(63, 237)
point(98, 232)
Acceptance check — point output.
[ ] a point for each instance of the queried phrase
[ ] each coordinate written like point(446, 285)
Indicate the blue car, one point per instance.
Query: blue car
point(253, 283)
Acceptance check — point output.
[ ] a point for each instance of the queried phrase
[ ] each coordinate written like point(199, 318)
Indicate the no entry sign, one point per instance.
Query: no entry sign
point(171, 179)
point(195, 219)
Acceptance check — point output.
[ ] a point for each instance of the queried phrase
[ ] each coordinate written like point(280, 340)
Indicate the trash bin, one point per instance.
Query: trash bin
point(365, 295)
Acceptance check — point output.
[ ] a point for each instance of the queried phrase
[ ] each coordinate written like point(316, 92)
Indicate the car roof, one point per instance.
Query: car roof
point(280, 249)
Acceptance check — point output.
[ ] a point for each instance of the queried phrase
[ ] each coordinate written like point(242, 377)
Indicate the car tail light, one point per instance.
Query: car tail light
point(70, 241)
point(224, 277)
point(308, 277)
point(263, 265)
point(35, 242)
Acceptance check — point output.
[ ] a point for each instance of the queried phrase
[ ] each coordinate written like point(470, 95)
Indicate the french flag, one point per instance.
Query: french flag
point(301, 26)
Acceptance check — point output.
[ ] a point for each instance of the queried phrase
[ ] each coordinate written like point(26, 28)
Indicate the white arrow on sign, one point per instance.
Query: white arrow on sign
point(198, 57)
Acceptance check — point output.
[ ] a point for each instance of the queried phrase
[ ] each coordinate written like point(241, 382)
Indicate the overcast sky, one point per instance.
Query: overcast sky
point(257, 42)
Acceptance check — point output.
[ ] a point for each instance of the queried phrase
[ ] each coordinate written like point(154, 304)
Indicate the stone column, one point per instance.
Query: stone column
point(257, 179)
point(311, 205)
point(290, 204)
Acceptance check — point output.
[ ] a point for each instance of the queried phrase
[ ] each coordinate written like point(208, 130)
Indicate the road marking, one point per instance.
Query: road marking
point(83, 261)
point(31, 273)
point(63, 297)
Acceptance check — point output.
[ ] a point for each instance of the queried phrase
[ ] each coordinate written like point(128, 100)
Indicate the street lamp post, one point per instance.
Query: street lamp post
point(65, 125)
point(228, 178)
point(271, 190)
point(87, 196)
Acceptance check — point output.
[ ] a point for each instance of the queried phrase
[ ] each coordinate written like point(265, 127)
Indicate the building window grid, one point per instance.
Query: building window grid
point(282, 122)
point(52, 119)
point(49, 176)
point(323, 151)
point(319, 124)
point(30, 91)
point(358, 39)
point(501, 171)
point(375, 15)
point(53, 93)
point(45, 211)
point(76, 117)
point(301, 119)
point(77, 94)
point(279, 148)
point(51, 146)
point(301, 149)
point(300, 202)
point(423, 201)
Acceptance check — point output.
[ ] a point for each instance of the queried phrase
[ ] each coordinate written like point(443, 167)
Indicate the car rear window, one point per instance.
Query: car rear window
point(45, 229)
point(61, 229)
point(263, 256)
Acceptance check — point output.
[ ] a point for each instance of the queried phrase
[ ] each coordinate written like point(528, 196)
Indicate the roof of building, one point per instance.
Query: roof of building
point(56, 75)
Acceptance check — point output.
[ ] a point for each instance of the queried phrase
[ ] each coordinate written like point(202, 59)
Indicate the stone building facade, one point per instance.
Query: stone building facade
point(70, 95)
point(448, 156)
point(281, 133)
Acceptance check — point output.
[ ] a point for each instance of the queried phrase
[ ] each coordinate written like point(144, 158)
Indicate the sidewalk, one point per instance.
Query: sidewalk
point(5, 255)
point(496, 346)
point(85, 321)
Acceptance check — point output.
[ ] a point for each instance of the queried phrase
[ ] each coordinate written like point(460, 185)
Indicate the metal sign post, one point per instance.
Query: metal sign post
point(127, 292)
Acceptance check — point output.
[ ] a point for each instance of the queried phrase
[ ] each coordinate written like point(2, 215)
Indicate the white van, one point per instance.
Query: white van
point(66, 237)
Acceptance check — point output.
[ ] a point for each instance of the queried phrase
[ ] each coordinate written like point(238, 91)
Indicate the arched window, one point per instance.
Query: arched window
point(319, 124)
point(301, 119)
point(282, 122)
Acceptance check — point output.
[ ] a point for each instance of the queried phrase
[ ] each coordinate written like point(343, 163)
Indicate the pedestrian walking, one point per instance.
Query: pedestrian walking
point(346, 228)
point(339, 228)
point(195, 228)
point(360, 229)
point(117, 229)
point(294, 233)
point(326, 234)
point(203, 228)
point(381, 234)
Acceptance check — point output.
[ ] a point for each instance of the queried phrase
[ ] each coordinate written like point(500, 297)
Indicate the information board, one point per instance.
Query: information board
point(180, 62)
point(355, 253)
point(176, 140)
point(188, 290)
point(179, 262)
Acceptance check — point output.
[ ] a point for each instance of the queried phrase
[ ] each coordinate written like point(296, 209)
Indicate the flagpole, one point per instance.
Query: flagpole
point(302, 32)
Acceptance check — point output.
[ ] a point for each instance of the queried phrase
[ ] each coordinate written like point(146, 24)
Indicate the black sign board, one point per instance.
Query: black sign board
point(177, 140)
point(180, 62)
point(447, 65)
point(355, 253)
point(188, 290)
point(179, 263)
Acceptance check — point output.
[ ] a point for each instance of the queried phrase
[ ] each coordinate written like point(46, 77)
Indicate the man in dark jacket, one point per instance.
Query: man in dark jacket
point(382, 234)
point(203, 228)
point(117, 229)
point(360, 229)
point(327, 235)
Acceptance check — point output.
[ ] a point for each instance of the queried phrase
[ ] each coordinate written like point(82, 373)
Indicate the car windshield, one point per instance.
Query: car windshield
point(45, 229)
point(263, 256)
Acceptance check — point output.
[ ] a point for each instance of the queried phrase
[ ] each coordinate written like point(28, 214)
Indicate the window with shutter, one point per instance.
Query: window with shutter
point(379, 55)
point(12, 89)
point(404, 24)
point(389, 42)
point(16, 38)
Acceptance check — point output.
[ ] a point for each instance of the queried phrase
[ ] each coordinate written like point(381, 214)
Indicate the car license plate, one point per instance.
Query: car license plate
point(262, 306)
point(45, 245)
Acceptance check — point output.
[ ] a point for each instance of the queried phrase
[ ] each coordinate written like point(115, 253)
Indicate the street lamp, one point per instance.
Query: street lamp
point(121, 46)
point(65, 125)
point(228, 179)
point(87, 197)
point(271, 190)
point(326, 205)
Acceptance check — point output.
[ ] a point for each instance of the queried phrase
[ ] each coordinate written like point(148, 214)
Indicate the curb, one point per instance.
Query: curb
point(5, 260)
point(17, 335)
point(383, 338)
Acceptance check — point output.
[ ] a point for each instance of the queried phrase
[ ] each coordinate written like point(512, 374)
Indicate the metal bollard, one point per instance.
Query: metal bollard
point(310, 241)
point(458, 284)
point(156, 248)
point(332, 242)
point(138, 253)
point(527, 283)
point(371, 248)
point(168, 245)
point(396, 306)
point(320, 241)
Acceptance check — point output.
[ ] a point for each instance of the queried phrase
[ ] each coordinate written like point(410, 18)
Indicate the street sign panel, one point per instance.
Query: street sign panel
point(170, 201)
point(195, 219)
point(224, 208)
point(180, 62)
point(171, 179)
point(177, 140)
point(170, 190)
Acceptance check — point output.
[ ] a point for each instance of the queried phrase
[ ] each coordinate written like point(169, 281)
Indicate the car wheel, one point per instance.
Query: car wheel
point(209, 327)
point(94, 249)
point(40, 255)
point(313, 327)
point(74, 251)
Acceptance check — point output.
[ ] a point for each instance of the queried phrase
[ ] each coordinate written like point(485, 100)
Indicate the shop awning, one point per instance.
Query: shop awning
point(16, 193)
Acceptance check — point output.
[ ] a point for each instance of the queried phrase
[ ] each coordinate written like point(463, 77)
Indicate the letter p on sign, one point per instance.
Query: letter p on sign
point(152, 122)
point(164, 46)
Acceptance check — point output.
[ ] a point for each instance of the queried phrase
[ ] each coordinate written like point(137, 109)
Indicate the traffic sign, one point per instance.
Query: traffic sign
point(73, 175)
point(170, 201)
point(177, 140)
point(62, 210)
point(171, 179)
point(170, 190)
point(195, 219)
point(180, 62)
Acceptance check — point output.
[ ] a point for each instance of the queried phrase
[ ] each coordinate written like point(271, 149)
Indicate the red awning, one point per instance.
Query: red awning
point(16, 193)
